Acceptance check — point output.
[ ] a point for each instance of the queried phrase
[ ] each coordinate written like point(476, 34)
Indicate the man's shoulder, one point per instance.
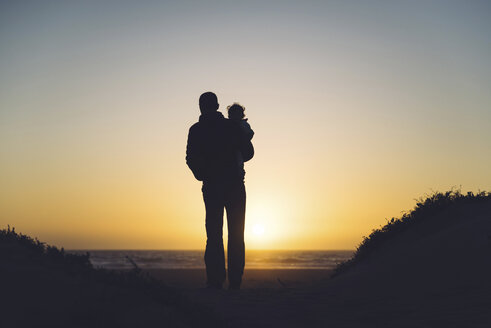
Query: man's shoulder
point(195, 127)
point(222, 125)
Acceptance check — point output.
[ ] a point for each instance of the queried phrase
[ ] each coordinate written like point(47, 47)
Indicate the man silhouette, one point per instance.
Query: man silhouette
point(211, 154)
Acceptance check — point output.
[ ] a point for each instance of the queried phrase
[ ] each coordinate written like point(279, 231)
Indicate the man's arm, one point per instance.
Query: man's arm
point(194, 158)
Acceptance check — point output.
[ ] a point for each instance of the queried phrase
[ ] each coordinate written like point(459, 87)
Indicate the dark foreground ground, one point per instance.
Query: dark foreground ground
point(308, 298)
point(268, 298)
point(301, 298)
point(188, 279)
point(431, 268)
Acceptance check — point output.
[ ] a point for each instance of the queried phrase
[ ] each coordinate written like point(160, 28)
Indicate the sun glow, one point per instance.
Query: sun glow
point(258, 229)
point(262, 229)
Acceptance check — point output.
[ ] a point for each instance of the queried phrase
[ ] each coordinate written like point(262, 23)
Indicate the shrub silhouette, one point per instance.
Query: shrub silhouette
point(17, 246)
point(110, 290)
point(424, 210)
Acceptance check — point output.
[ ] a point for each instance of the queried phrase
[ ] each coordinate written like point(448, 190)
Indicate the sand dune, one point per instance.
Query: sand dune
point(435, 274)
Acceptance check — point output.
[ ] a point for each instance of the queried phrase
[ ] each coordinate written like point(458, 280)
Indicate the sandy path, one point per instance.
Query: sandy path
point(317, 302)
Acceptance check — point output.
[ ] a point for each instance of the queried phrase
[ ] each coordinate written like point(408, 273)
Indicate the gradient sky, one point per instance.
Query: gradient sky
point(359, 108)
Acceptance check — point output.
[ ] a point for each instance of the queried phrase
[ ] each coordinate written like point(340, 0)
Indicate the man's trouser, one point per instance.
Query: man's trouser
point(230, 195)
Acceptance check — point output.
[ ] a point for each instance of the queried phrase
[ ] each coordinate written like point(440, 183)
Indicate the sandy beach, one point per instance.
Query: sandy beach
point(253, 278)
point(268, 297)
point(311, 299)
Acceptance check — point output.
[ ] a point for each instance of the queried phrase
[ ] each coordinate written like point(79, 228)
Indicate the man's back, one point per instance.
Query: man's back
point(212, 146)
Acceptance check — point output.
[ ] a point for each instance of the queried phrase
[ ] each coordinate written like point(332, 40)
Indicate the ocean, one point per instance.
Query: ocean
point(255, 259)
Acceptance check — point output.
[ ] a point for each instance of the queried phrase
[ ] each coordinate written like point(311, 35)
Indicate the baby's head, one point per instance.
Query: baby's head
point(236, 112)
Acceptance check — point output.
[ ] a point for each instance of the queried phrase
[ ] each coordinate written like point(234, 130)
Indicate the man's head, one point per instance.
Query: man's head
point(208, 102)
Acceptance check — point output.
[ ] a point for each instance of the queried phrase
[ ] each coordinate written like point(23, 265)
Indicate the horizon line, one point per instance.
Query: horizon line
point(192, 250)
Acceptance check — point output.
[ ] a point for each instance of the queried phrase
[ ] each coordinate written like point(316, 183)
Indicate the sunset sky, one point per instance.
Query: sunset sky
point(359, 108)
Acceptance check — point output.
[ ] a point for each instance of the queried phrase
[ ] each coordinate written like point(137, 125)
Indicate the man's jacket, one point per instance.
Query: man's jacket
point(212, 148)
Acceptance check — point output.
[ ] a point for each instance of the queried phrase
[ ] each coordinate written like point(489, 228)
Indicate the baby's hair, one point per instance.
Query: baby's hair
point(236, 111)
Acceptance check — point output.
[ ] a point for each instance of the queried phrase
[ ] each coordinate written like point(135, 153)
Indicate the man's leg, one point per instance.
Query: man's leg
point(214, 255)
point(235, 203)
